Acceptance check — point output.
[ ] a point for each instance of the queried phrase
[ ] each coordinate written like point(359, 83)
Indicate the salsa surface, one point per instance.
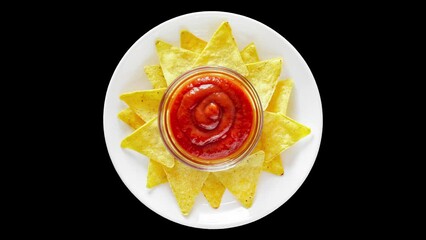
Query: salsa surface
point(211, 117)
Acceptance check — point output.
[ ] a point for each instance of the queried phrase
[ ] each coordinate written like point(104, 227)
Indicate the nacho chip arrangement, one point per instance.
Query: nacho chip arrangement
point(279, 131)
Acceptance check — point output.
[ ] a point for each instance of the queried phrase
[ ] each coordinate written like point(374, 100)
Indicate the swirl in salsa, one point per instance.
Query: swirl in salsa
point(211, 117)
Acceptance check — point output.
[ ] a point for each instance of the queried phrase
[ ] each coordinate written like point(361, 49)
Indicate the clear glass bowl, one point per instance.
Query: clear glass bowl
point(209, 164)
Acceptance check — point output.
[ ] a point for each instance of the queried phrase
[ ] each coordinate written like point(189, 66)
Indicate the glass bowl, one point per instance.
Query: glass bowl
point(178, 88)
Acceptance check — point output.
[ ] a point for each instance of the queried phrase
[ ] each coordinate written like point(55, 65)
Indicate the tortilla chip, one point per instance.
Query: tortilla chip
point(156, 174)
point(275, 166)
point(249, 54)
point(222, 50)
point(213, 190)
point(191, 42)
point(241, 180)
point(264, 75)
point(258, 147)
point(144, 103)
point(186, 183)
point(281, 96)
point(155, 76)
point(131, 118)
point(279, 133)
point(174, 61)
point(147, 140)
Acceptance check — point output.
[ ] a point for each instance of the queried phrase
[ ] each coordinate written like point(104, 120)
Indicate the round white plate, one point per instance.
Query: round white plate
point(272, 190)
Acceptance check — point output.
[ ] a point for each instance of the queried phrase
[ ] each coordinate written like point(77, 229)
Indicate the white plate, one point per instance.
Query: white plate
point(272, 191)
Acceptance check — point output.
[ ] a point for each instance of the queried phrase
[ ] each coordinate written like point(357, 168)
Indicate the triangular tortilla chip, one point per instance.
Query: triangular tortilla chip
point(213, 190)
point(186, 183)
point(279, 133)
point(249, 54)
point(147, 140)
point(144, 103)
point(275, 166)
point(191, 42)
point(131, 118)
point(155, 76)
point(173, 60)
point(222, 50)
point(156, 174)
point(281, 96)
point(264, 75)
point(241, 180)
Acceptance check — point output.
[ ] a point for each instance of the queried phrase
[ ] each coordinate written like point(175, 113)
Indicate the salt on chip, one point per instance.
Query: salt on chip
point(264, 76)
point(281, 97)
point(222, 50)
point(156, 174)
point(242, 180)
point(279, 133)
point(147, 141)
point(275, 166)
point(191, 42)
point(249, 54)
point(131, 118)
point(174, 61)
point(144, 103)
point(213, 190)
point(155, 76)
point(186, 183)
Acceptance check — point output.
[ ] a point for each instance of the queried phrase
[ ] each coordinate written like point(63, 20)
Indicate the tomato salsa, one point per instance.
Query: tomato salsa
point(211, 117)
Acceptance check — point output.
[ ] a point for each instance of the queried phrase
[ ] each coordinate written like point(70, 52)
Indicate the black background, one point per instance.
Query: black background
point(84, 194)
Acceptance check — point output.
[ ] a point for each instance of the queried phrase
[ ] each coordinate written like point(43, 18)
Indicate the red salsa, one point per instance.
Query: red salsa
point(211, 117)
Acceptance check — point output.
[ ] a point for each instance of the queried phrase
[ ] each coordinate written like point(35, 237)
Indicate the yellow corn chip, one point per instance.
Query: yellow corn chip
point(241, 180)
point(144, 103)
point(264, 75)
point(249, 54)
point(131, 118)
point(279, 133)
point(156, 174)
point(281, 96)
point(213, 190)
point(275, 166)
point(222, 50)
point(155, 76)
point(174, 61)
point(147, 140)
point(278, 103)
point(258, 147)
point(191, 42)
point(186, 183)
